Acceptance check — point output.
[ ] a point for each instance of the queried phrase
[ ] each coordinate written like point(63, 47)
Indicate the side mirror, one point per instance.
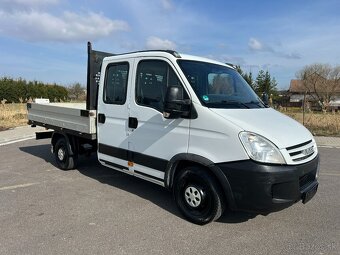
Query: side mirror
point(175, 105)
point(265, 98)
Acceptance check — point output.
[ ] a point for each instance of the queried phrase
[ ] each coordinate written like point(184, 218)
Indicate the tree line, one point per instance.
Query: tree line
point(320, 81)
point(20, 90)
point(263, 82)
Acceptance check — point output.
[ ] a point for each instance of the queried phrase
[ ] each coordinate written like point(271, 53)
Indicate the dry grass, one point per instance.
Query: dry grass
point(325, 124)
point(322, 124)
point(12, 115)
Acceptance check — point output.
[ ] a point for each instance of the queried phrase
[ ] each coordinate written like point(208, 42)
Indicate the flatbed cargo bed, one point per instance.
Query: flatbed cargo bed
point(70, 117)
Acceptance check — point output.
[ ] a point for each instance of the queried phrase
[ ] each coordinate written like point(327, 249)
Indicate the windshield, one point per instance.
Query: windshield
point(218, 86)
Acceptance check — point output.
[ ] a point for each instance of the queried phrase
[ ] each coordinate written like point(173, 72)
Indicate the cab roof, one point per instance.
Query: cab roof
point(166, 53)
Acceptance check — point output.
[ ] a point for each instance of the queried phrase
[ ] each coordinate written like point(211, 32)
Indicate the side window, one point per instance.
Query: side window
point(153, 78)
point(115, 87)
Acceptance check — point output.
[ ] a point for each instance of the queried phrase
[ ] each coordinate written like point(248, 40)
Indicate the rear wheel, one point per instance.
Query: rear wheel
point(62, 155)
point(198, 196)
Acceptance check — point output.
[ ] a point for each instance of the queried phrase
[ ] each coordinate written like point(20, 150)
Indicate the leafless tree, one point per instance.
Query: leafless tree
point(77, 91)
point(321, 81)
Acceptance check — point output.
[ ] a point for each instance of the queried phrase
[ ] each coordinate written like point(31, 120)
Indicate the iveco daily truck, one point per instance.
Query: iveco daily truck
point(190, 124)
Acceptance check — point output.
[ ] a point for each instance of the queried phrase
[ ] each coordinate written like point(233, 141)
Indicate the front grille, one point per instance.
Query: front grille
point(306, 180)
point(301, 151)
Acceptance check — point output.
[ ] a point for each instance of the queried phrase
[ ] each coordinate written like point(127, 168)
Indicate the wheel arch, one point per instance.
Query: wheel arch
point(70, 141)
point(182, 160)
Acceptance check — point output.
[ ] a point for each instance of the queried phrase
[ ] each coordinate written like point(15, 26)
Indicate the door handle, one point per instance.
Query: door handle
point(101, 118)
point(133, 122)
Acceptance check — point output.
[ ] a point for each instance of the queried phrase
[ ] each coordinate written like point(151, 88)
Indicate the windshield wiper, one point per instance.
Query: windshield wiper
point(234, 103)
point(258, 103)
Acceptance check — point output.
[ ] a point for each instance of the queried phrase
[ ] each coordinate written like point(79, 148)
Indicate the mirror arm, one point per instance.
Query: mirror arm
point(182, 102)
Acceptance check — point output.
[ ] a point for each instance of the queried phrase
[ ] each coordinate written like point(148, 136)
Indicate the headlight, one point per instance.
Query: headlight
point(260, 149)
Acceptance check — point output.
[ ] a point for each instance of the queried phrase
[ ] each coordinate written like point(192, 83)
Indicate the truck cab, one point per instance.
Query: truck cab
point(194, 126)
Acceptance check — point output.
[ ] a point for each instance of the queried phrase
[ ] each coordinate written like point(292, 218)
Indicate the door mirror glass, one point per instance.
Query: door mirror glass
point(175, 105)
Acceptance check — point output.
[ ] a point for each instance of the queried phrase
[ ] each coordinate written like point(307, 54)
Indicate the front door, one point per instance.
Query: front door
point(154, 140)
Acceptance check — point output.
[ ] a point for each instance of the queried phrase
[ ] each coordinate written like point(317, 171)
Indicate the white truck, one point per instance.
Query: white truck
point(187, 123)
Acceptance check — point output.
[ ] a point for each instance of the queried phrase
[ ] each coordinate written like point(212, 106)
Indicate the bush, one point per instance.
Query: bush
point(17, 90)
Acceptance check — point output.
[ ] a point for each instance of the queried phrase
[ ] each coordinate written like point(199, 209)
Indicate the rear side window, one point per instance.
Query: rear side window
point(115, 86)
point(153, 78)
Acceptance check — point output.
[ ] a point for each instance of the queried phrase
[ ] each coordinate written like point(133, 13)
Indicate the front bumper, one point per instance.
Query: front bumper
point(265, 188)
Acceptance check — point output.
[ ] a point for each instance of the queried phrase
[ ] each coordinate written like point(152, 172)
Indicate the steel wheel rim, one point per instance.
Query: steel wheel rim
point(61, 154)
point(193, 196)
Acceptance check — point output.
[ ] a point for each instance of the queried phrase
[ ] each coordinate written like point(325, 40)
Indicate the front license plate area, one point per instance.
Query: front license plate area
point(309, 194)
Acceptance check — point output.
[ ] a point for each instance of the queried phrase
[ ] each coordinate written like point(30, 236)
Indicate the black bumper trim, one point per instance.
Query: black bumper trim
point(265, 188)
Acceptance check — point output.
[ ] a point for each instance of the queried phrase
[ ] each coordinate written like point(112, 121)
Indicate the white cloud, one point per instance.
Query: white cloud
point(154, 42)
point(41, 26)
point(167, 5)
point(293, 55)
point(26, 4)
point(232, 59)
point(32, 2)
point(222, 45)
point(129, 46)
point(255, 44)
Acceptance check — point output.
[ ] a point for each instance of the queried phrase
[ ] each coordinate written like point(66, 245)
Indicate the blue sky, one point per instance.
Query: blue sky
point(46, 40)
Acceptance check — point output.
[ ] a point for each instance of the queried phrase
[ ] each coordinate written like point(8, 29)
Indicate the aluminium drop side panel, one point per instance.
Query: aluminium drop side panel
point(72, 116)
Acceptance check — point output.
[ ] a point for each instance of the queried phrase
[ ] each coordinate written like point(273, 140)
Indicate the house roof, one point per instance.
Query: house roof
point(296, 86)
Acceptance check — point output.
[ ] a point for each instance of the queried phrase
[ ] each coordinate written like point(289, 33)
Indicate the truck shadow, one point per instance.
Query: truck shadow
point(90, 167)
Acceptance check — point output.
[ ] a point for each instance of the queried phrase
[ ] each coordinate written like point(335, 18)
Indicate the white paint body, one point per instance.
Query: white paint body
point(214, 134)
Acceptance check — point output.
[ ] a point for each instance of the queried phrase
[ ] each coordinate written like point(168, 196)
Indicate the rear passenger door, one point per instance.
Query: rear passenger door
point(154, 140)
point(113, 113)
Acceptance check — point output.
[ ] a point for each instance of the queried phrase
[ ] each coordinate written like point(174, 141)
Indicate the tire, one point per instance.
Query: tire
point(198, 196)
point(62, 155)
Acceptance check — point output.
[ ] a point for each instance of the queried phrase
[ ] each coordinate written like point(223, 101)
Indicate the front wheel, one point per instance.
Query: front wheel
point(198, 196)
point(62, 155)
